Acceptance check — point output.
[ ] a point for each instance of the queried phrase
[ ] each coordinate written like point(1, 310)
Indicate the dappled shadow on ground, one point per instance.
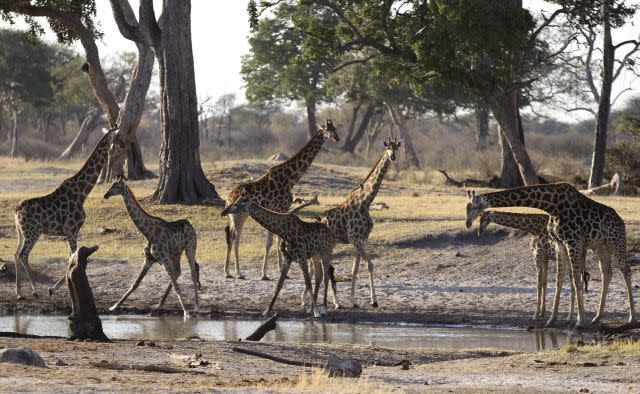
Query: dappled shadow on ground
point(455, 238)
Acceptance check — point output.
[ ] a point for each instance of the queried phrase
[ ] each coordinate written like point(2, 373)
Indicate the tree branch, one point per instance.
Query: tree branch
point(351, 62)
point(125, 19)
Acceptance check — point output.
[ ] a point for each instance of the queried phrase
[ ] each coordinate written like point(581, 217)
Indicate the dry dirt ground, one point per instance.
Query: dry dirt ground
point(428, 269)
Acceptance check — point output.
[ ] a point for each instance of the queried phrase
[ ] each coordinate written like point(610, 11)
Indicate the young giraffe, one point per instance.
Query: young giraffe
point(59, 213)
point(351, 223)
point(301, 241)
point(165, 243)
point(272, 191)
point(542, 246)
point(576, 223)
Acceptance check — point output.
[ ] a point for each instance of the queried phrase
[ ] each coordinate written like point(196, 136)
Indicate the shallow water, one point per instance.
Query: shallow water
point(395, 335)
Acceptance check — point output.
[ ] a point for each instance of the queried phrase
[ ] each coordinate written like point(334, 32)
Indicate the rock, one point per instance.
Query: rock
point(151, 344)
point(140, 343)
point(105, 231)
point(337, 366)
point(22, 356)
point(279, 157)
point(60, 363)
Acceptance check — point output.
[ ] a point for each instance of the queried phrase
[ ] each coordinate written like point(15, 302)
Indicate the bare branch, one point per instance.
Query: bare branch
point(619, 95)
point(126, 21)
point(351, 62)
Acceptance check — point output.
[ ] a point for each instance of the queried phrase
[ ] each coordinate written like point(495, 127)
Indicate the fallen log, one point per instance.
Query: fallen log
point(84, 322)
point(492, 183)
point(143, 367)
point(620, 329)
point(335, 366)
point(613, 188)
point(264, 328)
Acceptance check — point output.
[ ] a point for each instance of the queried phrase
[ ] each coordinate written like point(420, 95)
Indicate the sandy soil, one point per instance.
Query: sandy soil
point(449, 276)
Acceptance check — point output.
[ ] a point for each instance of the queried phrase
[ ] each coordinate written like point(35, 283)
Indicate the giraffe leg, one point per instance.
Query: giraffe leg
point(18, 262)
point(73, 246)
point(575, 255)
point(283, 275)
point(538, 256)
point(268, 244)
point(354, 274)
point(165, 295)
point(606, 272)
point(145, 268)
point(326, 266)
point(229, 236)
point(190, 251)
point(360, 250)
point(560, 264)
point(543, 285)
point(173, 276)
point(307, 283)
point(21, 259)
point(626, 273)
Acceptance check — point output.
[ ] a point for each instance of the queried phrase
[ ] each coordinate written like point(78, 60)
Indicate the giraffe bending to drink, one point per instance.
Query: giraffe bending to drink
point(165, 243)
point(301, 241)
point(60, 213)
point(576, 223)
point(272, 191)
point(543, 248)
point(351, 223)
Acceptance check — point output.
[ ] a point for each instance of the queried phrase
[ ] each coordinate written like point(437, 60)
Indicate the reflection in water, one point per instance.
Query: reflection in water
point(380, 335)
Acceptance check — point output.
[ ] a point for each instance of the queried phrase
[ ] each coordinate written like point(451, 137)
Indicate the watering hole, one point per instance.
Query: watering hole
point(394, 335)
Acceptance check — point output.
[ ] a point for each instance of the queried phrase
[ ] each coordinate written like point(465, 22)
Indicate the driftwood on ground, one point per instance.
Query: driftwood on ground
point(613, 188)
point(264, 328)
point(304, 203)
point(84, 321)
point(143, 367)
point(335, 366)
point(493, 182)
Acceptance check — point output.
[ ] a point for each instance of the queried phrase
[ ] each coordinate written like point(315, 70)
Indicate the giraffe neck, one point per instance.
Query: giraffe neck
point(283, 225)
point(84, 180)
point(141, 218)
point(549, 197)
point(365, 194)
point(292, 170)
point(535, 224)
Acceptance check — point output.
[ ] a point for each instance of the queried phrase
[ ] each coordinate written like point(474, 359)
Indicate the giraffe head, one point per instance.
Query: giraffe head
point(475, 206)
point(485, 220)
point(239, 205)
point(391, 146)
point(117, 189)
point(329, 131)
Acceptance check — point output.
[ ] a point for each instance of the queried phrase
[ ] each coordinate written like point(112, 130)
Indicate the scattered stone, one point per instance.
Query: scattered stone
point(151, 344)
point(88, 340)
point(583, 390)
point(60, 363)
point(22, 356)
point(636, 287)
point(589, 364)
point(105, 230)
point(140, 343)
point(279, 157)
point(414, 194)
point(196, 361)
point(458, 254)
point(619, 364)
point(338, 367)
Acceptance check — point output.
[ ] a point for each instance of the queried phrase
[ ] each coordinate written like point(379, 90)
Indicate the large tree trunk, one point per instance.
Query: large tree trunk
point(311, 116)
point(90, 123)
point(509, 172)
point(353, 140)
point(504, 108)
point(182, 179)
point(604, 106)
point(409, 154)
point(15, 114)
point(129, 119)
point(482, 126)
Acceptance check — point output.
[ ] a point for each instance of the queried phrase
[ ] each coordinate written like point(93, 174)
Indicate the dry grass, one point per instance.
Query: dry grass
point(618, 348)
point(318, 382)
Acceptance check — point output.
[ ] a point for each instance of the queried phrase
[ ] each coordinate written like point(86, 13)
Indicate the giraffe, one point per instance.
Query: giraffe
point(301, 241)
point(576, 223)
point(351, 223)
point(272, 191)
point(165, 243)
point(542, 246)
point(59, 213)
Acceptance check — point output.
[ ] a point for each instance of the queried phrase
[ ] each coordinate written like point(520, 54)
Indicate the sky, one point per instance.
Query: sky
point(219, 33)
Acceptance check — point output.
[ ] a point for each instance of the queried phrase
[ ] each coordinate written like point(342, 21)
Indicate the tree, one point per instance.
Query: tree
point(25, 80)
point(484, 46)
point(72, 21)
point(275, 71)
point(181, 177)
point(588, 20)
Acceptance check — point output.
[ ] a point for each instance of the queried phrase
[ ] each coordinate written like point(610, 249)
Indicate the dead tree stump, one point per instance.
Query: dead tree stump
point(84, 321)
